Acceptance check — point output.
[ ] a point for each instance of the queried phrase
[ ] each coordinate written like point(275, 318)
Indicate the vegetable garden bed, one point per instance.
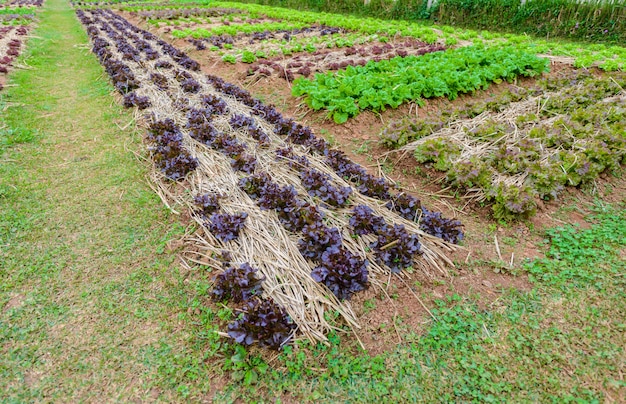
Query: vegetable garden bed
point(14, 28)
point(319, 229)
point(530, 149)
point(297, 227)
point(17, 15)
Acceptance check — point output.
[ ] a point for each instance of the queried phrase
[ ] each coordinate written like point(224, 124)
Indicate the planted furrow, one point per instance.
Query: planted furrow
point(263, 232)
point(249, 27)
point(390, 83)
point(11, 45)
point(174, 14)
point(321, 61)
point(531, 149)
point(247, 48)
point(23, 3)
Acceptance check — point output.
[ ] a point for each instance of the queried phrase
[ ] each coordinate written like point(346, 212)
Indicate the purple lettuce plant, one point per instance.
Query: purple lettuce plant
point(406, 206)
point(395, 247)
point(318, 238)
point(434, 223)
point(264, 322)
point(363, 221)
point(207, 204)
point(226, 227)
point(342, 272)
point(318, 185)
point(237, 284)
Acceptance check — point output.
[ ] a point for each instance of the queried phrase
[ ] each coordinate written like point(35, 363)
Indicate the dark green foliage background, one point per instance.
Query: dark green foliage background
point(594, 20)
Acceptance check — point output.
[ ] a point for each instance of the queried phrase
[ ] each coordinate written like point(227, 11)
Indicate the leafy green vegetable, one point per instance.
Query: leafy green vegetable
point(389, 83)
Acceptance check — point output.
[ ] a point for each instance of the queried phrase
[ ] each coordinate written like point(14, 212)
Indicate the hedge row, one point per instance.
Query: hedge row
point(601, 21)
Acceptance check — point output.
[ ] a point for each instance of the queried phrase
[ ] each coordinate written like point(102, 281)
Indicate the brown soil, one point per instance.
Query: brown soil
point(490, 260)
point(401, 311)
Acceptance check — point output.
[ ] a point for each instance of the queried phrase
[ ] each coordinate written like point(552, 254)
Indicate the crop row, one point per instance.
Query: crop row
point(267, 44)
point(150, 6)
point(234, 29)
point(408, 129)
point(321, 61)
point(22, 3)
point(210, 21)
point(177, 13)
point(533, 148)
point(224, 123)
point(11, 45)
point(204, 20)
point(389, 83)
point(16, 19)
point(17, 10)
point(121, 47)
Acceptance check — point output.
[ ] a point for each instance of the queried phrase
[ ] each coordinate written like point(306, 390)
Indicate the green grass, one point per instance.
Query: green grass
point(94, 307)
point(83, 291)
point(562, 342)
